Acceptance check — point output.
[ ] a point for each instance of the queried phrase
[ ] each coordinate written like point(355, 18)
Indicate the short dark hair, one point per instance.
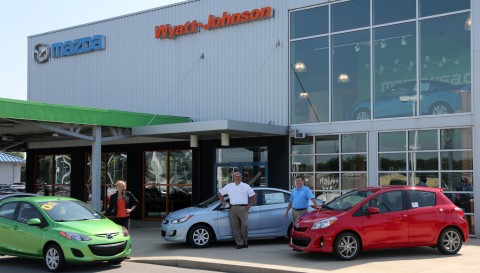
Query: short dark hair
point(300, 177)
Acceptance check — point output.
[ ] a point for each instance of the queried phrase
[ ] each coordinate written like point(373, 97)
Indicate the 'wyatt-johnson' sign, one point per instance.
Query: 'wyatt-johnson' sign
point(171, 32)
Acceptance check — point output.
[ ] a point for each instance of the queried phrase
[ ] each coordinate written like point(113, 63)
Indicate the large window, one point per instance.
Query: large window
point(443, 158)
point(330, 164)
point(167, 182)
point(113, 168)
point(365, 59)
point(53, 175)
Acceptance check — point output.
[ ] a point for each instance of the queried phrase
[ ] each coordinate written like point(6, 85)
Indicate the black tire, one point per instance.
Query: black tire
point(346, 246)
point(289, 230)
point(200, 236)
point(450, 241)
point(362, 114)
point(440, 108)
point(54, 258)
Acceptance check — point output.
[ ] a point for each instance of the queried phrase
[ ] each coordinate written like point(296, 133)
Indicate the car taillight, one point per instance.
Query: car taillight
point(460, 212)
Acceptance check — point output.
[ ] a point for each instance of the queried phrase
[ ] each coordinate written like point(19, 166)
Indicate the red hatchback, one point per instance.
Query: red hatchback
point(382, 217)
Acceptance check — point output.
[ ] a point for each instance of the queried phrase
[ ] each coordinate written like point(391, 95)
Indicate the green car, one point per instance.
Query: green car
point(61, 231)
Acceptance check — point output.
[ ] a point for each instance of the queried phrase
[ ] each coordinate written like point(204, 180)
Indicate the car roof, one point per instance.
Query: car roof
point(35, 197)
point(7, 194)
point(397, 187)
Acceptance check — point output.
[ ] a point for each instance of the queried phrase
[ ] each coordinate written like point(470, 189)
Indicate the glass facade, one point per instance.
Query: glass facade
point(330, 164)
point(378, 59)
point(167, 182)
point(53, 175)
point(374, 60)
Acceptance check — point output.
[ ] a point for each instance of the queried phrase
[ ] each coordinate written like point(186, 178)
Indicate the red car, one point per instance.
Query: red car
point(382, 217)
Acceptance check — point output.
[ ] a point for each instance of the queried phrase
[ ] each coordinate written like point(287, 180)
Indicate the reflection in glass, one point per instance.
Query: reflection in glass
point(244, 154)
point(309, 22)
point(350, 15)
point(302, 145)
point(392, 179)
point(386, 11)
point(391, 141)
point(458, 138)
point(392, 161)
point(63, 169)
point(394, 64)
point(309, 86)
point(432, 7)
point(354, 143)
point(446, 63)
point(327, 144)
point(350, 55)
point(423, 161)
point(354, 180)
point(457, 160)
point(422, 140)
point(327, 163)
point(354, 162)
point(302, 163)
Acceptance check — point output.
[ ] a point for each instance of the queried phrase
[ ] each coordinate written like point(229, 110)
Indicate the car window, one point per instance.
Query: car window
point(274, 197)
point(8, 210)
point(26, 212)
point(420, 199)
point(66, 210)
point(386, 202)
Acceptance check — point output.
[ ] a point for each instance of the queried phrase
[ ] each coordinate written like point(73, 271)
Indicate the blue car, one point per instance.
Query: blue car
point(208, 221)
point(436, 98)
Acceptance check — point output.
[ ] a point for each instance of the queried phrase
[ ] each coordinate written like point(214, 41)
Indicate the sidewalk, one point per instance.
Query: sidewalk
point(274, 256)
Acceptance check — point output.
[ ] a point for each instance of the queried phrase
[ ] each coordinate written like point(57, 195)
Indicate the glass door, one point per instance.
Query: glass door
point(254, 174)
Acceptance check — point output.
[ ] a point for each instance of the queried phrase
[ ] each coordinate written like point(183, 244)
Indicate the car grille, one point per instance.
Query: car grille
point(301, 229)
point(164, 233)
point(301, 241)
point(107, 235)
point(165, 221)
point(108, 249)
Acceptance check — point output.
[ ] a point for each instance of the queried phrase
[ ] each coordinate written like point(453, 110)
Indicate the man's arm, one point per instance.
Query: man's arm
point(288, 208)
point(252, 200)
point(220, 196)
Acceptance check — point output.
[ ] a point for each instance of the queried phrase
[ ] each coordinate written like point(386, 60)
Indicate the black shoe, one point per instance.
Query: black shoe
point(239, 246)
point(245, 246)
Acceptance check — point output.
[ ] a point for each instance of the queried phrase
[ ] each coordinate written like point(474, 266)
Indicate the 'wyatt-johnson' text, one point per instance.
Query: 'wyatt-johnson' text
point(171, 32)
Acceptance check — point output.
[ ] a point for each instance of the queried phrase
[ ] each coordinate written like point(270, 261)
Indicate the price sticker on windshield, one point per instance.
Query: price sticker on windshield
point(48, 206)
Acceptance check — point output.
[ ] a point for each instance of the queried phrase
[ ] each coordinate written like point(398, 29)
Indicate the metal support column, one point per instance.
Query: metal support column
point(96, 168)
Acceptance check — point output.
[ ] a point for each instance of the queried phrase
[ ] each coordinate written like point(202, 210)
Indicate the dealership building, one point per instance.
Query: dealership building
point(348, 94)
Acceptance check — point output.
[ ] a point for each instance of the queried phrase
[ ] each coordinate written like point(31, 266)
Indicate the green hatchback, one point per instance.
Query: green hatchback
point(61, 231)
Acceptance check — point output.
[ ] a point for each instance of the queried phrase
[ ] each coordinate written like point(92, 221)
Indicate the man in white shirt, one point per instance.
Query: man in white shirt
point(242, 198)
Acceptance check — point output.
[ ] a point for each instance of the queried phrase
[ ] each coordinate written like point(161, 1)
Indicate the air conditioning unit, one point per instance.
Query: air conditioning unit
point(294, 133)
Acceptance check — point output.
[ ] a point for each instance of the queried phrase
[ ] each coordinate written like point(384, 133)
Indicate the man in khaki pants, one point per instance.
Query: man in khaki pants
point(299, 199)
point(239, 194)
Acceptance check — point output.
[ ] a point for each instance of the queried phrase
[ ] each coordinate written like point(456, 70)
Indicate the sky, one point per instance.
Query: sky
point(22, 18)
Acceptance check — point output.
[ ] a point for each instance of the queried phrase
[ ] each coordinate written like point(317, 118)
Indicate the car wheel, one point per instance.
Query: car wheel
point(289, 231)
point(362, 114)
point(450, 241)
point(346, 246)
point(440, 109)
point(200, 236)
point(54, 259)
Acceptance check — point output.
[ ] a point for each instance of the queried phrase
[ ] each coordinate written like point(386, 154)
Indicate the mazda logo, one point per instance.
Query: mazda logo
point(109, 236)
point(41, 53)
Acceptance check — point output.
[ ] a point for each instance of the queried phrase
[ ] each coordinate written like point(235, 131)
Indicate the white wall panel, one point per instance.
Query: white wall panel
point(244, 75)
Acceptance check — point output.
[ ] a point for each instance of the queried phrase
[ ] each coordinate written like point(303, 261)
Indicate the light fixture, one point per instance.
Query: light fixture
point(403, 41)
point(55, 134)
point(303, 94)
point(343, 78)
point(357, 48)
point(7, 138)
point(225, 139)
point(468, 23)
point(300, 67)
point(383, 44)
point(193, 141)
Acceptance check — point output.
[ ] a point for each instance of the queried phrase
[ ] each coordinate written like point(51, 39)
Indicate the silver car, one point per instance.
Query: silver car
point(208, 221)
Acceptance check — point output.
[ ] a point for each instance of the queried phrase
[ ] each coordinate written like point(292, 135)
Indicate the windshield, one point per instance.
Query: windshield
point(211, 201)
point(68, 210)
point(347, 201)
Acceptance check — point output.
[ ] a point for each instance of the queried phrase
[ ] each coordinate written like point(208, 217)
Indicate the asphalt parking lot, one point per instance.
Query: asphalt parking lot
point(274, 256)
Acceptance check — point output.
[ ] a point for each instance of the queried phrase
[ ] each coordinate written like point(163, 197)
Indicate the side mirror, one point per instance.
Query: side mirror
point(34, 222)
point(373, 210)
point(227, 206)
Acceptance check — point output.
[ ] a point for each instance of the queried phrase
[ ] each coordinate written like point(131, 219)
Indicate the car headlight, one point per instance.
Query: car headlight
point(324, 223)
point(75, 236)
point(125, 231)
point(181, 219)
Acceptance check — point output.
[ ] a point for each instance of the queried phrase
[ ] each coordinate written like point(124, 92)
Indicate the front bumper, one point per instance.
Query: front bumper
point(92, 251)
point(319, 240)
point(174, 232)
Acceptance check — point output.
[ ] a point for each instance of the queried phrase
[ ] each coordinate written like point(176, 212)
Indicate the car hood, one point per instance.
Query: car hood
point(90, 227)
point(186, 211)
point(314, 216)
